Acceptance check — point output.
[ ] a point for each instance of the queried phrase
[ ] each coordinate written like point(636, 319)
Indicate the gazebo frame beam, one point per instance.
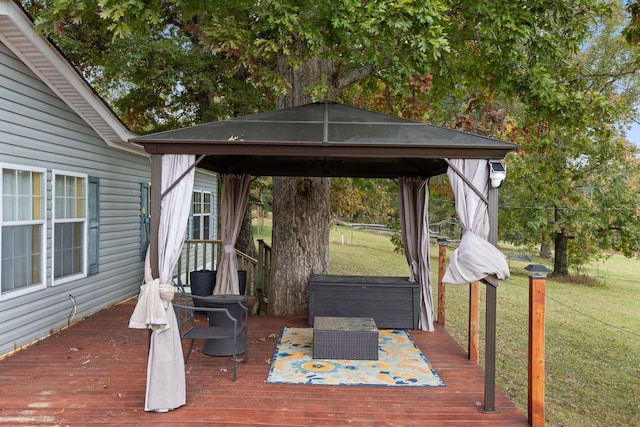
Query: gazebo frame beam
point(401, 148)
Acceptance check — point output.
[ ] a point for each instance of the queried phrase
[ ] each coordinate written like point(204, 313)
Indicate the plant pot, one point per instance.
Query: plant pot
point(202, 283)
point(242, 281)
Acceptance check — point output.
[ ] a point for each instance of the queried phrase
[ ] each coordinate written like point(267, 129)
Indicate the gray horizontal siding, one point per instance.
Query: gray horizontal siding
point(38, 130)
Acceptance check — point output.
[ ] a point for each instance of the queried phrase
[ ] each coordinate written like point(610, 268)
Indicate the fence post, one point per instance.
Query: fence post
point(442, 262)
point(537, 276)
point(474, 322)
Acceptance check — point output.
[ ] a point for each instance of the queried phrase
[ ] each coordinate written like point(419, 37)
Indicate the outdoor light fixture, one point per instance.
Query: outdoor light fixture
point(497, 173)
point(537, 271)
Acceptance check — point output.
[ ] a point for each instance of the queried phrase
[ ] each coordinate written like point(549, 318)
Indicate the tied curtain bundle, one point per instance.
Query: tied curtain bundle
point(166, 389)
point(475, 258)
point(233, 202)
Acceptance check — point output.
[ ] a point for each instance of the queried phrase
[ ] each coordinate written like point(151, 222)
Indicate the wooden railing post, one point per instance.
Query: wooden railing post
point(199, 254)
point(537, 276)
point(260, 269)
point(474, 322)
point(262, 279)
point(442, 264)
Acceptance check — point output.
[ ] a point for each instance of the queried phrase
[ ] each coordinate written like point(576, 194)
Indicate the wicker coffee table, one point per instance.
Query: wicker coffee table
point(350, 338)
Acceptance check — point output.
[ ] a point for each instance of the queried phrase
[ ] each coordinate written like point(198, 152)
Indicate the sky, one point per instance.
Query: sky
point(633, 135)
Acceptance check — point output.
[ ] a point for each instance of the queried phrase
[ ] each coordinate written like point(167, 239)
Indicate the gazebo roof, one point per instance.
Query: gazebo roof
point(324, 139)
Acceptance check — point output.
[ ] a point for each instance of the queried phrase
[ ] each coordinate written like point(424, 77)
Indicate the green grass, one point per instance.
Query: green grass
point(355, 252)
point(592, 330)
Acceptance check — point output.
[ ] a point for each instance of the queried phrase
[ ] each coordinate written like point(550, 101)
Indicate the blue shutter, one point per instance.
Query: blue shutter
point(94, 226)
point(189, 232)
point(144, 219)
point(212, 223)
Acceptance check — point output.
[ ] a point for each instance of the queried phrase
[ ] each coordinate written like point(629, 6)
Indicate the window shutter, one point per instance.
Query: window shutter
point(189, 233)
point(144, 219)
point(94, 226)
point(212, 215)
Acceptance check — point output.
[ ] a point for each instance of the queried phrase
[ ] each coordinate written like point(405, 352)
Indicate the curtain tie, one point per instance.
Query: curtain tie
point(229, 249)
point(414, 271)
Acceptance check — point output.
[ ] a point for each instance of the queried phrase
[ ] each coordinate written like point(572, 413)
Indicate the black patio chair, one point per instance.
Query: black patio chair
point(222, 325)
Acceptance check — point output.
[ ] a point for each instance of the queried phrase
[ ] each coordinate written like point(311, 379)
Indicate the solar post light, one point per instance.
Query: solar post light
point(497, 173)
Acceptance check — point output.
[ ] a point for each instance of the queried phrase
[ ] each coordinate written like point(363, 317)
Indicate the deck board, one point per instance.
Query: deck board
point(94, 372)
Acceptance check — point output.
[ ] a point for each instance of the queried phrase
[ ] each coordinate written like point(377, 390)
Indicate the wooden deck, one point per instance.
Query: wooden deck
point(94, 372)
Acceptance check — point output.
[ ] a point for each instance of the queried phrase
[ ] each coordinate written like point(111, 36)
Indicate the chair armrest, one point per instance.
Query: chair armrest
point(207, 310)
point(245, 309)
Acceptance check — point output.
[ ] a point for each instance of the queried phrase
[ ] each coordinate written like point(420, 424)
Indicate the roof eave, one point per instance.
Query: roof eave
point(297, 148)
point(53, 68)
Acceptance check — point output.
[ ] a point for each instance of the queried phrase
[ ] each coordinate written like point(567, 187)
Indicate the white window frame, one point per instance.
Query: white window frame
point(55, 221)
point(202, 215)
point(4, 295)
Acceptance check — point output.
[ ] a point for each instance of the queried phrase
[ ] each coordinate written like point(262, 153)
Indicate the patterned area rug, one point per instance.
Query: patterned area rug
point(401, 363)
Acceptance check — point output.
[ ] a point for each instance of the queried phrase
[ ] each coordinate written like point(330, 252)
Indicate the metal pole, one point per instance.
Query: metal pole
point(491, 302)
point(154, 223)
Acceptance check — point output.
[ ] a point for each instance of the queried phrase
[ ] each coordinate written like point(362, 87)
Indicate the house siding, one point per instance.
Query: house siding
point(37, 129)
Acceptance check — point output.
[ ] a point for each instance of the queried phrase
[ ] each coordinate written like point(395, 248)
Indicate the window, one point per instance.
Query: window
point(201, 225)
point(23, 228)
point(69, 225)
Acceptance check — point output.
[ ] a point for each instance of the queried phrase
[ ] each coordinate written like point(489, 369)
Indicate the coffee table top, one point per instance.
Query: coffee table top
point(323, 323)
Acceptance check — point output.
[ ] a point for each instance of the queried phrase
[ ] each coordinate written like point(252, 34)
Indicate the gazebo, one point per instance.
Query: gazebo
point(328, 139)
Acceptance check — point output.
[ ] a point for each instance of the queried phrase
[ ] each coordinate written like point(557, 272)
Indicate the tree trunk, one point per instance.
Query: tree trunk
point(560, 265)
point(245, 242)
point(545, 249)
point(300, 235)
point(300, 241)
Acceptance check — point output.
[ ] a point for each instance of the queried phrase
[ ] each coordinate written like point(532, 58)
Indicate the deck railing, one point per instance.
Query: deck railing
point(204, 255)
point(263, 274)
point(536, 345)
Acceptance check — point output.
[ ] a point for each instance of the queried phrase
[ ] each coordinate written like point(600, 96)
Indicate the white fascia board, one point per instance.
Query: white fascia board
point(45, 60)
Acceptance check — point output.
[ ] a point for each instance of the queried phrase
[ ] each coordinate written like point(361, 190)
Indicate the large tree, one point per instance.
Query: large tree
point(167, 64)
point(290, 52)
point(575, 183)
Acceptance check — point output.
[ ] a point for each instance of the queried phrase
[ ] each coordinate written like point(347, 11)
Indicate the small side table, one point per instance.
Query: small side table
point(224, 347)
point(350, 338)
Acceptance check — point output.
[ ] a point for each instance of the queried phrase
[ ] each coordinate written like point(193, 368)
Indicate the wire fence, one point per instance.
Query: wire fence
point(593, 373)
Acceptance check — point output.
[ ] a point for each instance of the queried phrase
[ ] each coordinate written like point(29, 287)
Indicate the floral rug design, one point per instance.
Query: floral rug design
point(400, 363)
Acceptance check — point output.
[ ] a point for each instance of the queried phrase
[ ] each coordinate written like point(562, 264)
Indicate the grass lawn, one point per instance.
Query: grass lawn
point(592, 330)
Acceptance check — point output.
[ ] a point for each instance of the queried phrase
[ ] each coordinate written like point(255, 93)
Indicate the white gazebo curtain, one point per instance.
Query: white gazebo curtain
point(166, 388)
point(475, 258)
point(234, 198)
point(414, 221)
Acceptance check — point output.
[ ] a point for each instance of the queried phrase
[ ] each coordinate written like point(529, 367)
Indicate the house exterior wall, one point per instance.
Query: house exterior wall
point(39, 131)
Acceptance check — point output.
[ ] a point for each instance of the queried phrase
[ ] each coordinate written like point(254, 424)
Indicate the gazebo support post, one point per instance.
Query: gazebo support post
point(491, 302)
point(154, 221)
point(442, 296)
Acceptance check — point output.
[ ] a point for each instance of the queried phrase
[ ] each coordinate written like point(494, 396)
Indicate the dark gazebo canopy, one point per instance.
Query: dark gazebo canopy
point(324, 139)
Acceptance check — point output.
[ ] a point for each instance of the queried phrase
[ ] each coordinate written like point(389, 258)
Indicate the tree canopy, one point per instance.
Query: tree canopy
point(514, 70)
point(576, 182)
